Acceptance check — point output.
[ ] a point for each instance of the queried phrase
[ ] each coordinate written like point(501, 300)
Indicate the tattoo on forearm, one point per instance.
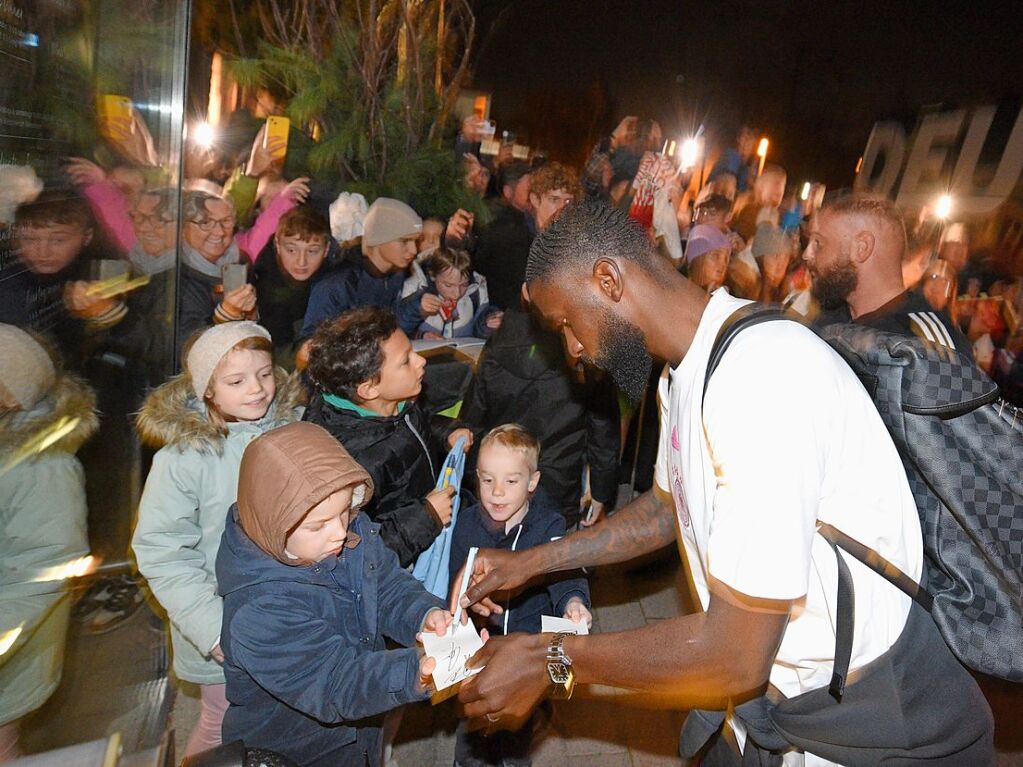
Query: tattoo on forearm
point(643, 526)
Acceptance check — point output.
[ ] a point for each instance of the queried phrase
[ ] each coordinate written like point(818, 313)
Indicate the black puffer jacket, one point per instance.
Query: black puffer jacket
point(402, 455)
point(522, 378)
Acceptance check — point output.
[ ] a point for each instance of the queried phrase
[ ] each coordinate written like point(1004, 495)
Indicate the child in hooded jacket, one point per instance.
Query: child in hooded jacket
point(201, 421)
point(42, 521)
point(310, 591)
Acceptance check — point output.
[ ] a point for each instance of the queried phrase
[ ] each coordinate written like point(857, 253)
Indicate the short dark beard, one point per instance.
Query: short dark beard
point(623, 354)
point(832, 288)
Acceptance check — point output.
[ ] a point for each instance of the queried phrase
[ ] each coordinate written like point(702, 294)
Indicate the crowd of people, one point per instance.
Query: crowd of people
point(294, 459)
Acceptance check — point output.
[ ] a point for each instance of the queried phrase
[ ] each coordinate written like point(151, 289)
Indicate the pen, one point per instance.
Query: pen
point(470, 560)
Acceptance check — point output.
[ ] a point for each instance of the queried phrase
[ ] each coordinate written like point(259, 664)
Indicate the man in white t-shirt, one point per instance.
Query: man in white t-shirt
point(785, 438)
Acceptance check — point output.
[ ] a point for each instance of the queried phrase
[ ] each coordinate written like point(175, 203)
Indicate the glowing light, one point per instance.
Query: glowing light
point(943, 207)
point(690, 152)
point(8, 638)
point(204, 134)
point(859, 165)
point(671, 148)
point(805, 194)
point(762, 148)
point(76, 568)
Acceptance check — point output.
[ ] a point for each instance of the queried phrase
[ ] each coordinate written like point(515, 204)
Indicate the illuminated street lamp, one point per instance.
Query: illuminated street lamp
point(762, 153)
point(804, 195)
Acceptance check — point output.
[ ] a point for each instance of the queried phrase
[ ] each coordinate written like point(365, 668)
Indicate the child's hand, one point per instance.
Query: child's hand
point(430, 304)
point(576, 612)
point(426, 668)
point(493, 322)
point(457, 434)
point(439, 502)
point(217, 654)
point(437, 621)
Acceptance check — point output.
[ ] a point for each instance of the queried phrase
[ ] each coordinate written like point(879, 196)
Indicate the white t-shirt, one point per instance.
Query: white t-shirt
point(787, 436)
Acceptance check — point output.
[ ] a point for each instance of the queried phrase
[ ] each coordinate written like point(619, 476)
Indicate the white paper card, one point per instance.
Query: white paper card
point(451, 651)
point(550, 624)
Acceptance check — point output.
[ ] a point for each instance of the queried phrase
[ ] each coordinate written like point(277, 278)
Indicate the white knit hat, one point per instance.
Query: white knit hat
point(211, 347)
point(26, 370)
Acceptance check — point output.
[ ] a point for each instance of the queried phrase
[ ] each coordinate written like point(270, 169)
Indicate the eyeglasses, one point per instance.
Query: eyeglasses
point(207, 224)
point(152, 220)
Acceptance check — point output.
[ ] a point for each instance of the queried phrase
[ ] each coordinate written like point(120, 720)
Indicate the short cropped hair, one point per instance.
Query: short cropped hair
point(54, 208)
point(195, 205)
point(773, 169)
point(880, 209)
point(442, 259)
point(346, 352)
point(585, 232)
point(513, 172)
point(517, 438)
point(305, 223)
point(553, 176)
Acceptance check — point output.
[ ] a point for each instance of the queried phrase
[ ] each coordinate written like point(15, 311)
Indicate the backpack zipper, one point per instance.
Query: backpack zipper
point(408, 422)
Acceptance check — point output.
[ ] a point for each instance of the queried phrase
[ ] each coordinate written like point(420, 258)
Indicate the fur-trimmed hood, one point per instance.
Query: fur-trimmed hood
point(68, 410)
point(173, 415)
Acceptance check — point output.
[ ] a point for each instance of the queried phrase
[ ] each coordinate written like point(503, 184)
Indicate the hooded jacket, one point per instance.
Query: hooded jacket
point(304, 650)
point(543, 523)
point(42, 525)
point(353, 283)
point(403, 456)
point(192, 483)
point(522, 378)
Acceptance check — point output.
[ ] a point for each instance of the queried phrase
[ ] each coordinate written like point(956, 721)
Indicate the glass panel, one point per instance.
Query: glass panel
point(91, 105)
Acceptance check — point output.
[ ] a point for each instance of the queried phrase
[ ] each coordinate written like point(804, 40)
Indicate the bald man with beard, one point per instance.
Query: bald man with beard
point(855, 253)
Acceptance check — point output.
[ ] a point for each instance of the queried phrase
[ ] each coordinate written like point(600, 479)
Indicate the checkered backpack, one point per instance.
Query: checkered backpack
point(962, 448)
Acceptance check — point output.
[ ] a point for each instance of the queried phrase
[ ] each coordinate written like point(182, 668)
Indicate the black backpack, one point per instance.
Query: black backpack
point(962, 448)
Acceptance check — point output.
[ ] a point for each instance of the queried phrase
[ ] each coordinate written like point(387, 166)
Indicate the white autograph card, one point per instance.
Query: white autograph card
point(451, 651)
point(551, 625)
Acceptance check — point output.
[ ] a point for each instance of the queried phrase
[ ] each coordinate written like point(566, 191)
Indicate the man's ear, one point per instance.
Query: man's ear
point(534, 199)
point(534, 480)
point(863, 244)
point(525, 293)
point(368, 390)
point(609, 278)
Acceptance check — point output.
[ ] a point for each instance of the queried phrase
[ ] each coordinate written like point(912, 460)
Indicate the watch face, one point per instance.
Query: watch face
point(558, 672)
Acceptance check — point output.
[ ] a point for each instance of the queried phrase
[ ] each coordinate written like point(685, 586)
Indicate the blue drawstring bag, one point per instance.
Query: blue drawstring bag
point(431, 569)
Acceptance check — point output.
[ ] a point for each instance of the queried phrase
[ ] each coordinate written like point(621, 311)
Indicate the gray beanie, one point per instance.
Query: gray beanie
point(388, 220)
point(211, 347)
point(26, 370)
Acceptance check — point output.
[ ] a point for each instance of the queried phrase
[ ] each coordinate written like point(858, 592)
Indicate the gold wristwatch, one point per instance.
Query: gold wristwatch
point(559, 669)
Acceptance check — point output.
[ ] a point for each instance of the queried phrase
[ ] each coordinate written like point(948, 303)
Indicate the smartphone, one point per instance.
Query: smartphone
point(112, 109)
point(277, 127)
point(108, 268)
point(487, 128)
point(234, 276)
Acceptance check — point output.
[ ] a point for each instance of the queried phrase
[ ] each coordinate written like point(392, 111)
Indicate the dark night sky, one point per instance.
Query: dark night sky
point(814, 75)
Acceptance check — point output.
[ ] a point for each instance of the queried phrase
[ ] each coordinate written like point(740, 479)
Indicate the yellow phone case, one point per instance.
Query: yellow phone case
point(277, 127)
point(110, 109)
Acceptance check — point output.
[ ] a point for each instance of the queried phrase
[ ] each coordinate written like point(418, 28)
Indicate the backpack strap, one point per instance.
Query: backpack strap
point(877, 563)
point(742, 318)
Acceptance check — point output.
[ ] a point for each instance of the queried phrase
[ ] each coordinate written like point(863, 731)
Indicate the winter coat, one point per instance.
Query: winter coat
point(354, 283)
point(543, 523)
point(469, 318)
point(502, 254)
point(192, 483)
point(402, 454)
point(304, 650)
point(522, 378)
point(42, 525)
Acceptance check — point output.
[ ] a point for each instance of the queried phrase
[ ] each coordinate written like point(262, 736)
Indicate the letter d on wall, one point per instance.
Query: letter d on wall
point(887, 140)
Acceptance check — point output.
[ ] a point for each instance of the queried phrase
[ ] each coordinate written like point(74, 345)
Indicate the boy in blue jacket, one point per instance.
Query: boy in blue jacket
point(512, 515)
point(310, 592)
